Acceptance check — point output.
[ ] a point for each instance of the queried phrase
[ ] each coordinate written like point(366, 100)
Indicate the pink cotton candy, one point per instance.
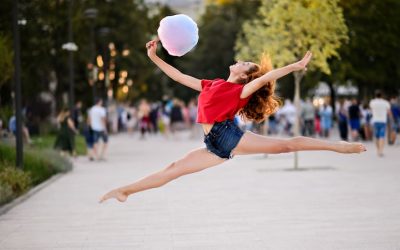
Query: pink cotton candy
point(178, 34)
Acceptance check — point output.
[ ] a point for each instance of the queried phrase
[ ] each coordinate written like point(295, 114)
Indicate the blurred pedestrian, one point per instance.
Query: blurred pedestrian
point(343, 118)
point(12, 127)
point(380, 111)
point(65, 140)
point(354, 117)
point(289, 113)
point(366, 116)
point(195, 129)
point(154, 117)
point(176, 116)
point(144, 117)
point(89, 140)
point(98, 124)
point(307, 118)
point(77, 114)
point(131, 119)
point(326, 113)
point(395, 120)
point(121, 113)
point(272, 125)
point(112, 117)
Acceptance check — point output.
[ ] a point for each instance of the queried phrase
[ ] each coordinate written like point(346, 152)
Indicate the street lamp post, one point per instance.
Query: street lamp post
point(19, 162)
point(71, 60)
point(91, 14)
point(70, 47)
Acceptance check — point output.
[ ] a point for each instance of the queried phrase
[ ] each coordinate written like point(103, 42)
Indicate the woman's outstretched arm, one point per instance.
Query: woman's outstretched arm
point(275, 74)
point(170, 71)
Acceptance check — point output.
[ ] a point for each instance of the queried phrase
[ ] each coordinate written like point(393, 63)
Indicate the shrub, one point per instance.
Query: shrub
point(5, 113)
point(6, 193)
point(18, 180)
point(39, 165)
point(42, 164)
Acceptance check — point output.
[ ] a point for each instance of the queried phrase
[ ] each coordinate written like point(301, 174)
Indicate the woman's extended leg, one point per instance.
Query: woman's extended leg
point(195, 161)
point(252, 143)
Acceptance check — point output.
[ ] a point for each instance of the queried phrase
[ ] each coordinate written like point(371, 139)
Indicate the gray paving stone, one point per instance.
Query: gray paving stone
point(252, 202)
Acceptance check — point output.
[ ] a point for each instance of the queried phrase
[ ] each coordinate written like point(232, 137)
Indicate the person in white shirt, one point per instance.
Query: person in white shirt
point(380, 110)
point(98, 124)
point(307, 116)
point(290, 113)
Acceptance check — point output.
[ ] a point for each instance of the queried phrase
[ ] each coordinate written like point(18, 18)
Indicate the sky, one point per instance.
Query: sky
point(191, 8)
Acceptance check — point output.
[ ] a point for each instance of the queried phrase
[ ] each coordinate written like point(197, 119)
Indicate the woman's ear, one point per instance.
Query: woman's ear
point(244, 76)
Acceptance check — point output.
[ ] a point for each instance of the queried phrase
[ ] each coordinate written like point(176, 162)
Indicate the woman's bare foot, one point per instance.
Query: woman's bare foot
point(349, 148)
point(116, 194)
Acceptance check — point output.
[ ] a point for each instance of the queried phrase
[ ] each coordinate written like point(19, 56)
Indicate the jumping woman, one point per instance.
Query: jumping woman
point(249, 90)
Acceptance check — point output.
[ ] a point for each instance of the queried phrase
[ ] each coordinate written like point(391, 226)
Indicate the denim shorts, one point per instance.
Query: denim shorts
point(97, 135)
point(379, 129)
point(223, 138)
point(395, 124)
point(355, 124)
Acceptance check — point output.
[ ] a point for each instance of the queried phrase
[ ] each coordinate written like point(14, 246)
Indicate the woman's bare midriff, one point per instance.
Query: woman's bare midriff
point(207, 127)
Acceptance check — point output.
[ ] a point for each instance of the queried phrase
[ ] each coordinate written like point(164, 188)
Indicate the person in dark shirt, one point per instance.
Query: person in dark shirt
point(395, 121)
point(354, 118)
point(176, 116)
point(77, 114)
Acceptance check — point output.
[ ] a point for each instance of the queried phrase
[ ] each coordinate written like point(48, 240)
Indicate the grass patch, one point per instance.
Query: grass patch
point(47, 142)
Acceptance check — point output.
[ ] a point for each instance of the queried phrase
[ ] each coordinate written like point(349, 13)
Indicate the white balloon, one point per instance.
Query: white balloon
point(178, 34)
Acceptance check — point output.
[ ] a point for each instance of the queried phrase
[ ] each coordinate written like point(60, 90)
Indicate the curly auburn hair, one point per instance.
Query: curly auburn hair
point(263, 102)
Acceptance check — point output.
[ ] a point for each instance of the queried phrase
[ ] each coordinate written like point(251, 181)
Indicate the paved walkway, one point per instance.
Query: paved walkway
point(252, 202)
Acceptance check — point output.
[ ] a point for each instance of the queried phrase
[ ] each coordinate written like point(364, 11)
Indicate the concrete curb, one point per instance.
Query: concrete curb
point(4, 209)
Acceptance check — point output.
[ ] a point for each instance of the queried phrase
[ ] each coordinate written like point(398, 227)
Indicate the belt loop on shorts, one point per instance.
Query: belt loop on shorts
point(227, 123)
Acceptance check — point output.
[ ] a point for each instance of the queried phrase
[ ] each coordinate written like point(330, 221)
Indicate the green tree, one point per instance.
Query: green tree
point(42, 34)
point(286, 29)
point(130, 27)
point(43, 59)
point(370, 58)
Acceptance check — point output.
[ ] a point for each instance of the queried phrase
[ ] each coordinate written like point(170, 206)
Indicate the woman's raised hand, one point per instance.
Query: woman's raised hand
point(302, 64)
point(151, 48)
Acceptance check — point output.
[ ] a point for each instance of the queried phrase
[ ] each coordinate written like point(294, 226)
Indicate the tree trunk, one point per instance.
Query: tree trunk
point(298, 75)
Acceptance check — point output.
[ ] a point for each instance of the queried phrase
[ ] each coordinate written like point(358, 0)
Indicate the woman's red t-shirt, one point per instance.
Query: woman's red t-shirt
point(219, 100)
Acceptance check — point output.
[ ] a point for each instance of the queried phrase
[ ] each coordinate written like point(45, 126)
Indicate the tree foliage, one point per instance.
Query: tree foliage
point(46, 30)
point(370, 58)
point(287, 29)
point(130, 27)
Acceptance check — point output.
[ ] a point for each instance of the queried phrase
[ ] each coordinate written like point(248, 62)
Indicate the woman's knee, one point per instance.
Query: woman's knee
point(173, 171)
point(293, 143)
point(288, 145)
point(285, 147)
point(166, 175)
